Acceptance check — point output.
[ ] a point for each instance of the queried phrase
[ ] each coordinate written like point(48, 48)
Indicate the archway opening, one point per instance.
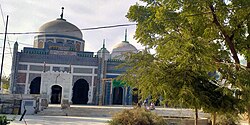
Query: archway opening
point(56, 94)
point(117, 96)
point(35, 85)
point(80, 92)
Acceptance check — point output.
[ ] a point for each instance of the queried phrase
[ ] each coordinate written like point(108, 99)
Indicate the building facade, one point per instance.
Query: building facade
point(58, 68)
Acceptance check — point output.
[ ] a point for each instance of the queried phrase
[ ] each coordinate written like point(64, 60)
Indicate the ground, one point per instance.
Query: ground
point(91, 115)
point(58, 120)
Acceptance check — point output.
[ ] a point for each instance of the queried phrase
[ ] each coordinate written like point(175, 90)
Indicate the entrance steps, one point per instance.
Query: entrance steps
point(108, 111)
point(52, 111)
point(82, 110)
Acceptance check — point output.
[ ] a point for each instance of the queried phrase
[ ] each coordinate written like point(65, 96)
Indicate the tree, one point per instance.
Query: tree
point(191, 38)
point(179, 86)
point(6, 82)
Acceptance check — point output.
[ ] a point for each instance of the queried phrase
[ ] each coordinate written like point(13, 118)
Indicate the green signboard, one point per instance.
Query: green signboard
point(117, 83)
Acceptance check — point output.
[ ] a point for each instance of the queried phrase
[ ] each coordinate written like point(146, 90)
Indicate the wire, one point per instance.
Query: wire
point(18, 42)
point(96, 28)
point(32, 45)
point(100, 27)
point(6, 47)
point(108, 26)
point(6, 53)
point(91, 28)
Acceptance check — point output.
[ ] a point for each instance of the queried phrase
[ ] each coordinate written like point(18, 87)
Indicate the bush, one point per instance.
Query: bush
point(136, 116)
point(4, 120)
point(227, 119)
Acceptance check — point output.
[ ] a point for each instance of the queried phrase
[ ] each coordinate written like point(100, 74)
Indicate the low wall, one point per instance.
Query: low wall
point(11, 103)
point(185, 121)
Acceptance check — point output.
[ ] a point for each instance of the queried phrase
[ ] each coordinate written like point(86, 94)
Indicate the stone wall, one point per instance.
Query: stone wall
point(181, 121)
point(11, 103)
point(62, 79)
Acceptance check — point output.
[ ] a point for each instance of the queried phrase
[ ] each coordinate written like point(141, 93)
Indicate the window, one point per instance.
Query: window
point(83, 70)
point(50, 40)
point(70, 42)
point(60, 41)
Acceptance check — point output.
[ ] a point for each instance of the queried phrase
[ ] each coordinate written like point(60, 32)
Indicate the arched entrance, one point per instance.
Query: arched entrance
point(35, 85)
point(80, 92)
point(117, 96)
point(56, 94)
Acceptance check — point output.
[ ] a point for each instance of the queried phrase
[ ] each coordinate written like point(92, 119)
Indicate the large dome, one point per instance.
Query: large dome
point(122, 48)
point(61, 27)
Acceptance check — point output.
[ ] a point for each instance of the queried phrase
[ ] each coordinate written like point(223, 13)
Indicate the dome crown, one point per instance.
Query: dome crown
point(60, 27)
point(124, 46)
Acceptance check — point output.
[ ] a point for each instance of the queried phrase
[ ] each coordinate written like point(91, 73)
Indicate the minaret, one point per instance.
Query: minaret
point(14, 69)
point(103, 52)
point(103, 75)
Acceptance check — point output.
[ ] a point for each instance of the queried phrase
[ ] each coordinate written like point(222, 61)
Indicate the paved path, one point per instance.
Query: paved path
point(58, 120)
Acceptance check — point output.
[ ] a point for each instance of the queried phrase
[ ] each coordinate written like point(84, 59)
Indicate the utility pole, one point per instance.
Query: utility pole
point(5, 35)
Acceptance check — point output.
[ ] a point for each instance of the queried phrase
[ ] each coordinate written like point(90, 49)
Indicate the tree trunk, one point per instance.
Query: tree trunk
point(196, 117)
point(213, 118)
point(248, 114)
point(248, 106)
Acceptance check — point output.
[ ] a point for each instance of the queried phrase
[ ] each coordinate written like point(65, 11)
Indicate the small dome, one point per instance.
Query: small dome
point(124, 46)
point(61, 27)
point(104, 50)
point(121, 48)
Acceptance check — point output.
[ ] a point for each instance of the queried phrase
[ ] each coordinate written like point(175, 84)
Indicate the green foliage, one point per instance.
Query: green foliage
point(167, 20)
point(6, 81)
point(191, 39)
point(227, 119)
point(243, 85)
point(136, 116)
point(4, 120)
point(216, 99)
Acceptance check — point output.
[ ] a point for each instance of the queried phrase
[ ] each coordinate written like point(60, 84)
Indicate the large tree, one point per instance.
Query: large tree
point(191, 39)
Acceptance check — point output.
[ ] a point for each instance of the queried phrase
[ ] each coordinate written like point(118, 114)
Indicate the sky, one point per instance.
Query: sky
point(29, 15)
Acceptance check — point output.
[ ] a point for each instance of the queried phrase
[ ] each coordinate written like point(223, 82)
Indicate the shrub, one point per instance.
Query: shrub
point(227, 119)
point(4, 120)
point(136, 116)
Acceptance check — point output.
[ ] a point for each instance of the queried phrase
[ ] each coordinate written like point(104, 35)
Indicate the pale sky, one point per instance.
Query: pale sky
point(29, 15)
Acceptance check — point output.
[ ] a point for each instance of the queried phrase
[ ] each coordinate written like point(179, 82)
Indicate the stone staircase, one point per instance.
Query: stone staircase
point(172, 115)
point(81, 110)
point(108, 111)
point(52, 111)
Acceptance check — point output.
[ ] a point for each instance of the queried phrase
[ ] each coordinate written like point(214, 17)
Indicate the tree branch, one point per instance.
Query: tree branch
point(226, 36)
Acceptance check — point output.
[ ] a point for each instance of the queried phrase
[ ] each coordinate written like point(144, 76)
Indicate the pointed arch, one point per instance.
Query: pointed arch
point(118, 96)
point(80, 92)
point(35, 85)
point(56, 94)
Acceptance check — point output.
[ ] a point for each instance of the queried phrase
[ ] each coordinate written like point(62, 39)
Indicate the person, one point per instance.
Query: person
point(145, 103)
point(138, 105)
point(152, 106)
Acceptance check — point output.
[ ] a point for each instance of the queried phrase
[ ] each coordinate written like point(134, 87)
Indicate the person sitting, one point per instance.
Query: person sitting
point(152, 106)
